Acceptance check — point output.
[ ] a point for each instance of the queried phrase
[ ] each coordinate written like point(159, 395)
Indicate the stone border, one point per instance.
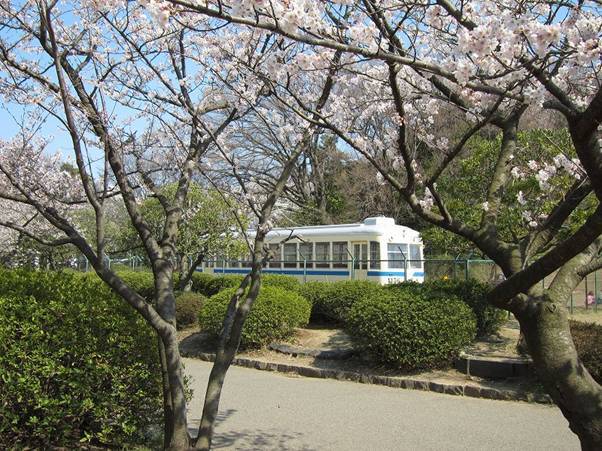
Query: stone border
point(470, 390)
point(331, 354)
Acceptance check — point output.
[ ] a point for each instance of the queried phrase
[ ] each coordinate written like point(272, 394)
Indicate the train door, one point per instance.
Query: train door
point(359, 251)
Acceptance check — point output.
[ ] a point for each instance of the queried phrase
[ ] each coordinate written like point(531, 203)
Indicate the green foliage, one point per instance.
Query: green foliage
point(188, 306)
point(281, 281)
point(588, 341)
point(406, 330)
point(332, 300)
point(212, 284)
point(219, 283)
point(77, 365)
point(142, 282)
point(461, 187)
point(274, 315)
point(472, 292)
point(200, 282)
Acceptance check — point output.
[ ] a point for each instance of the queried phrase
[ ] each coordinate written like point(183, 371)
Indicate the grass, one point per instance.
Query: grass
point(588, 316)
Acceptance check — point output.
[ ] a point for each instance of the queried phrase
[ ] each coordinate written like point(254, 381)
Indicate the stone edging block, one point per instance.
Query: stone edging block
point(471, 390)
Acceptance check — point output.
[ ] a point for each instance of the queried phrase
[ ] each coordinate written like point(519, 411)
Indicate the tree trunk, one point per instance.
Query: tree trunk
point(579, 397)
point(180, 439)
point(167, 404)
point(175, 400)
point(238, 310)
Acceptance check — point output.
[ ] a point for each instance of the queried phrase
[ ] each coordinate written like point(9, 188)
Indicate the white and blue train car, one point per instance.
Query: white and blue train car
point(376, 249)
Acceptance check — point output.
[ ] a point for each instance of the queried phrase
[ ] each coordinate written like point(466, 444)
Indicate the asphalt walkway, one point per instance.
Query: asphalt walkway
point(270, 411)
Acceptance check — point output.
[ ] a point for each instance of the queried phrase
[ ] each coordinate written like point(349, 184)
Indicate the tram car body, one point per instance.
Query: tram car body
point(376, 249)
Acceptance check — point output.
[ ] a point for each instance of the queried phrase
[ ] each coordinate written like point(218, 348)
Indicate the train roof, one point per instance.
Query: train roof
point(371, 227)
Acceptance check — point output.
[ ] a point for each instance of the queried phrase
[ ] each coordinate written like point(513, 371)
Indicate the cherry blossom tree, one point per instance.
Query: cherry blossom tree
point(402, 65)
point(146, 102)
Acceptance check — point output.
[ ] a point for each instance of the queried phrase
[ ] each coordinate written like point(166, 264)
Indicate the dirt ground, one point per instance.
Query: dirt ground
point(318, 337)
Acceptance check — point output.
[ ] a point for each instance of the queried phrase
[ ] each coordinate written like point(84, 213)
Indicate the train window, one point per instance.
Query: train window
point(374, 255)
point(274, 249)
point(364, 264)
point(322, 255)
point(339, 254)
point(396, 254)
point(290, 255)
point(306, 253)
point(415, 258)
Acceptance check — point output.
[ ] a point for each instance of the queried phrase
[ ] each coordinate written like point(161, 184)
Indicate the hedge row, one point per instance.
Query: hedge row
point(588, 341)
point(209, 285)
point(333, 300)
point(78, 366)
point(275, 314)
point(472, 292)
point(408, 331)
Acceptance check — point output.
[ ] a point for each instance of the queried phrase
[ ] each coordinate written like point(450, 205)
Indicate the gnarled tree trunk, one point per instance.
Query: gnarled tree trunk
point(547, 333)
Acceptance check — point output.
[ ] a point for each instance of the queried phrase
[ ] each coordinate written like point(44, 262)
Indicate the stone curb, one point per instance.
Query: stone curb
point(471, 390)
point(331, 354)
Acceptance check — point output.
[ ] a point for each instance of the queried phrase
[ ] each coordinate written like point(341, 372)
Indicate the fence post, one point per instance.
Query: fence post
point(304, 270)
point(466, 268)
point(596, 291)
point(586, 306)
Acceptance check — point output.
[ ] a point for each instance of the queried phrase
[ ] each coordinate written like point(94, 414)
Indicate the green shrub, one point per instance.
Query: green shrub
point(274, 315)
point(332, 300)
point(77, 365)
point(281, 281)
point(142, 282)
point(188, 306)
point(200, 282)
point(219, 283)
point(410, 332)
point(588, 341)
point(472, 292)
point(209, 285)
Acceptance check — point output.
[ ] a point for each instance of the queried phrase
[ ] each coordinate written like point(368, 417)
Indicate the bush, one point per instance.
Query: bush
point(188, 306)
point(200, 281)
point(142, 282)
point(281, 281)
point(275, 314)
point(219, 283)
point(332, 300)
point(588, 341)
point(472, 292)
point(410, 332)
point(209, 285)
point(77, 365)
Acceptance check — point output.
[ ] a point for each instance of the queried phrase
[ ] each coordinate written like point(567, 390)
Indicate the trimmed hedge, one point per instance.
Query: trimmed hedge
point(200, 280)
point(142, 282)
point(333, 300)
point(410, 332)
point(472, 292)
point(588, 341)
point(210, 285)
point(281, 281)
point(275, 314)
point(188, 306)
point(77, 365)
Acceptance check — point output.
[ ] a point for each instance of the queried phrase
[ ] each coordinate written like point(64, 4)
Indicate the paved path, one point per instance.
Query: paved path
point(270, 411)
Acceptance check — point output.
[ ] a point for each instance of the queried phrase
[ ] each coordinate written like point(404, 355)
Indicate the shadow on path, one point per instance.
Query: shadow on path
point(250, 439)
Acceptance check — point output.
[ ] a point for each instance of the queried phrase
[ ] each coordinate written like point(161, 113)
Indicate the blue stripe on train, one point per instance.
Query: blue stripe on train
point(291, 272)
point(394, 273)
